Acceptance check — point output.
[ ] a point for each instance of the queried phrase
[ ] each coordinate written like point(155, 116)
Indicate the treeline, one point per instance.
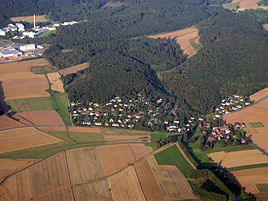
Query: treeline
point(233, 61)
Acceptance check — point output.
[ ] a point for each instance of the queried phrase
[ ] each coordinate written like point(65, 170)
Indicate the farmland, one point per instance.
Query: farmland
point(30, 19)
point(6, 123)
point(23, 138)
point(239, 158)
point(74, 69)
point(55, 81)
point(188, 39)
point(57, 102)
point(253, 179)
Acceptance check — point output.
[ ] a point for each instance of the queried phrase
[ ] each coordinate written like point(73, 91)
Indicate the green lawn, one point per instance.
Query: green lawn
point(58, 102)
point(255, 124)
point(47, 33)
point(172, 156)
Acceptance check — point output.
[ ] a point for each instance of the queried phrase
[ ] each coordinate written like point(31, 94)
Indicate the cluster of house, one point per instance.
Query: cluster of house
point(227, 132)
point(15, 50)
point(135, 113)
point(232, 104)
point(19, 32)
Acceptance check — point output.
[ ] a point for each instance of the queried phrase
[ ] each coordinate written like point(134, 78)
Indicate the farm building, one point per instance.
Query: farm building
point(10, 52)
point(27, 47)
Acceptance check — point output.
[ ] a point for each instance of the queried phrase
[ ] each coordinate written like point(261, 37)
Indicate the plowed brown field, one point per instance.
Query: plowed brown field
point(183, 38)
point(9, 166)
point(22, 138)
point(6, 123)
point(43, 117)
point(148, 183)
point(125, 186)
point(74, 69)
point(140, 150)
point(56, 83)
point(239, 158)
point(97, 191)
point(250, 177)
point(248, 4)
point(114, 158)
point(84, 165)
point(260, 94)
point(52, 128)
point(37, 181)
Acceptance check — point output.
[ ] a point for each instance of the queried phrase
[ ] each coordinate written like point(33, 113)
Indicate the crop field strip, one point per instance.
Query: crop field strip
point(55, 81)
point(30, 19)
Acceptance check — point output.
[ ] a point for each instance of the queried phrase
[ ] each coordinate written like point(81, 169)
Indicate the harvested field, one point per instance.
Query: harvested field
point(262, 93)
point(10, 166)
point(97, 191)
point(184, 38)
point(24, 85)
point(148, 182)
point(140, 150)
point(248, 4)
point(23, 138)
point(56, 82)
point(7, 123)
point(114, 158)
point(74, 69)
point(239, 158)
point(172, 182)
point(125, 186)
point(250, 177)
point(23, 66)
point(46, 178)
point(52, 128)
point(3, 194)
point(84, 165)
point(43, 117)
point(30, 19)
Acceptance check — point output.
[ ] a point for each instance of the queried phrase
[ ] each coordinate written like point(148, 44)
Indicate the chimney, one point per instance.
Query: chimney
point(34, 22)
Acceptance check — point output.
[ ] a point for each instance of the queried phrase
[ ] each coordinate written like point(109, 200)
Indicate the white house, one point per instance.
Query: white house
point(12, 27)
point(2, 33)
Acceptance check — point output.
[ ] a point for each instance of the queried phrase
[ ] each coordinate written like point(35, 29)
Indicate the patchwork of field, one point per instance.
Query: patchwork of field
point(185, 38)
point(74, 69)
point(252, 178)
point(23, 138)
point(103, 173)
point(7, 123)
point(257, 113)
point(30, 19)
point(239, 158)
point(43, 117)
point(10, 166)
point(55, 81)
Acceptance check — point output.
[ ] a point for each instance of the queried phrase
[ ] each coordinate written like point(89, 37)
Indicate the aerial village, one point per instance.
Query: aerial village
point(160, 115)
point(13, 51)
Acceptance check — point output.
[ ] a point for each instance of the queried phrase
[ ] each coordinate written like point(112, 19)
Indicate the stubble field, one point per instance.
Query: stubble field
point(55, 81)
point(74, 69)
point(30, 19)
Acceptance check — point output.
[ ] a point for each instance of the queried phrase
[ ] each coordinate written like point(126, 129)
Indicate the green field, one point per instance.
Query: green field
point(248, 167)
point(47, 33)
point(196, 46)
point(231, 6)
point(58, 102)
point(255, 124)
point(154, 138)
point(172, 156)
point(231, 148)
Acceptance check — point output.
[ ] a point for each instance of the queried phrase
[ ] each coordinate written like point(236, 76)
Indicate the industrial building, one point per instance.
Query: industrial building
point(27, 47)
point(21, 27)
point(10, 52)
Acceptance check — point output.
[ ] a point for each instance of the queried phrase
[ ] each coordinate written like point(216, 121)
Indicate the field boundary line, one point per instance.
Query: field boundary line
point(187, 159)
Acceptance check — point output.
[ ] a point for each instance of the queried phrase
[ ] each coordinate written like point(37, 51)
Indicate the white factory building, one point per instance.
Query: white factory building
point(12, 27)
point(2, 32)
point(10, 52)
point(21, 27)
point(27, 47)
point(30, 34)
